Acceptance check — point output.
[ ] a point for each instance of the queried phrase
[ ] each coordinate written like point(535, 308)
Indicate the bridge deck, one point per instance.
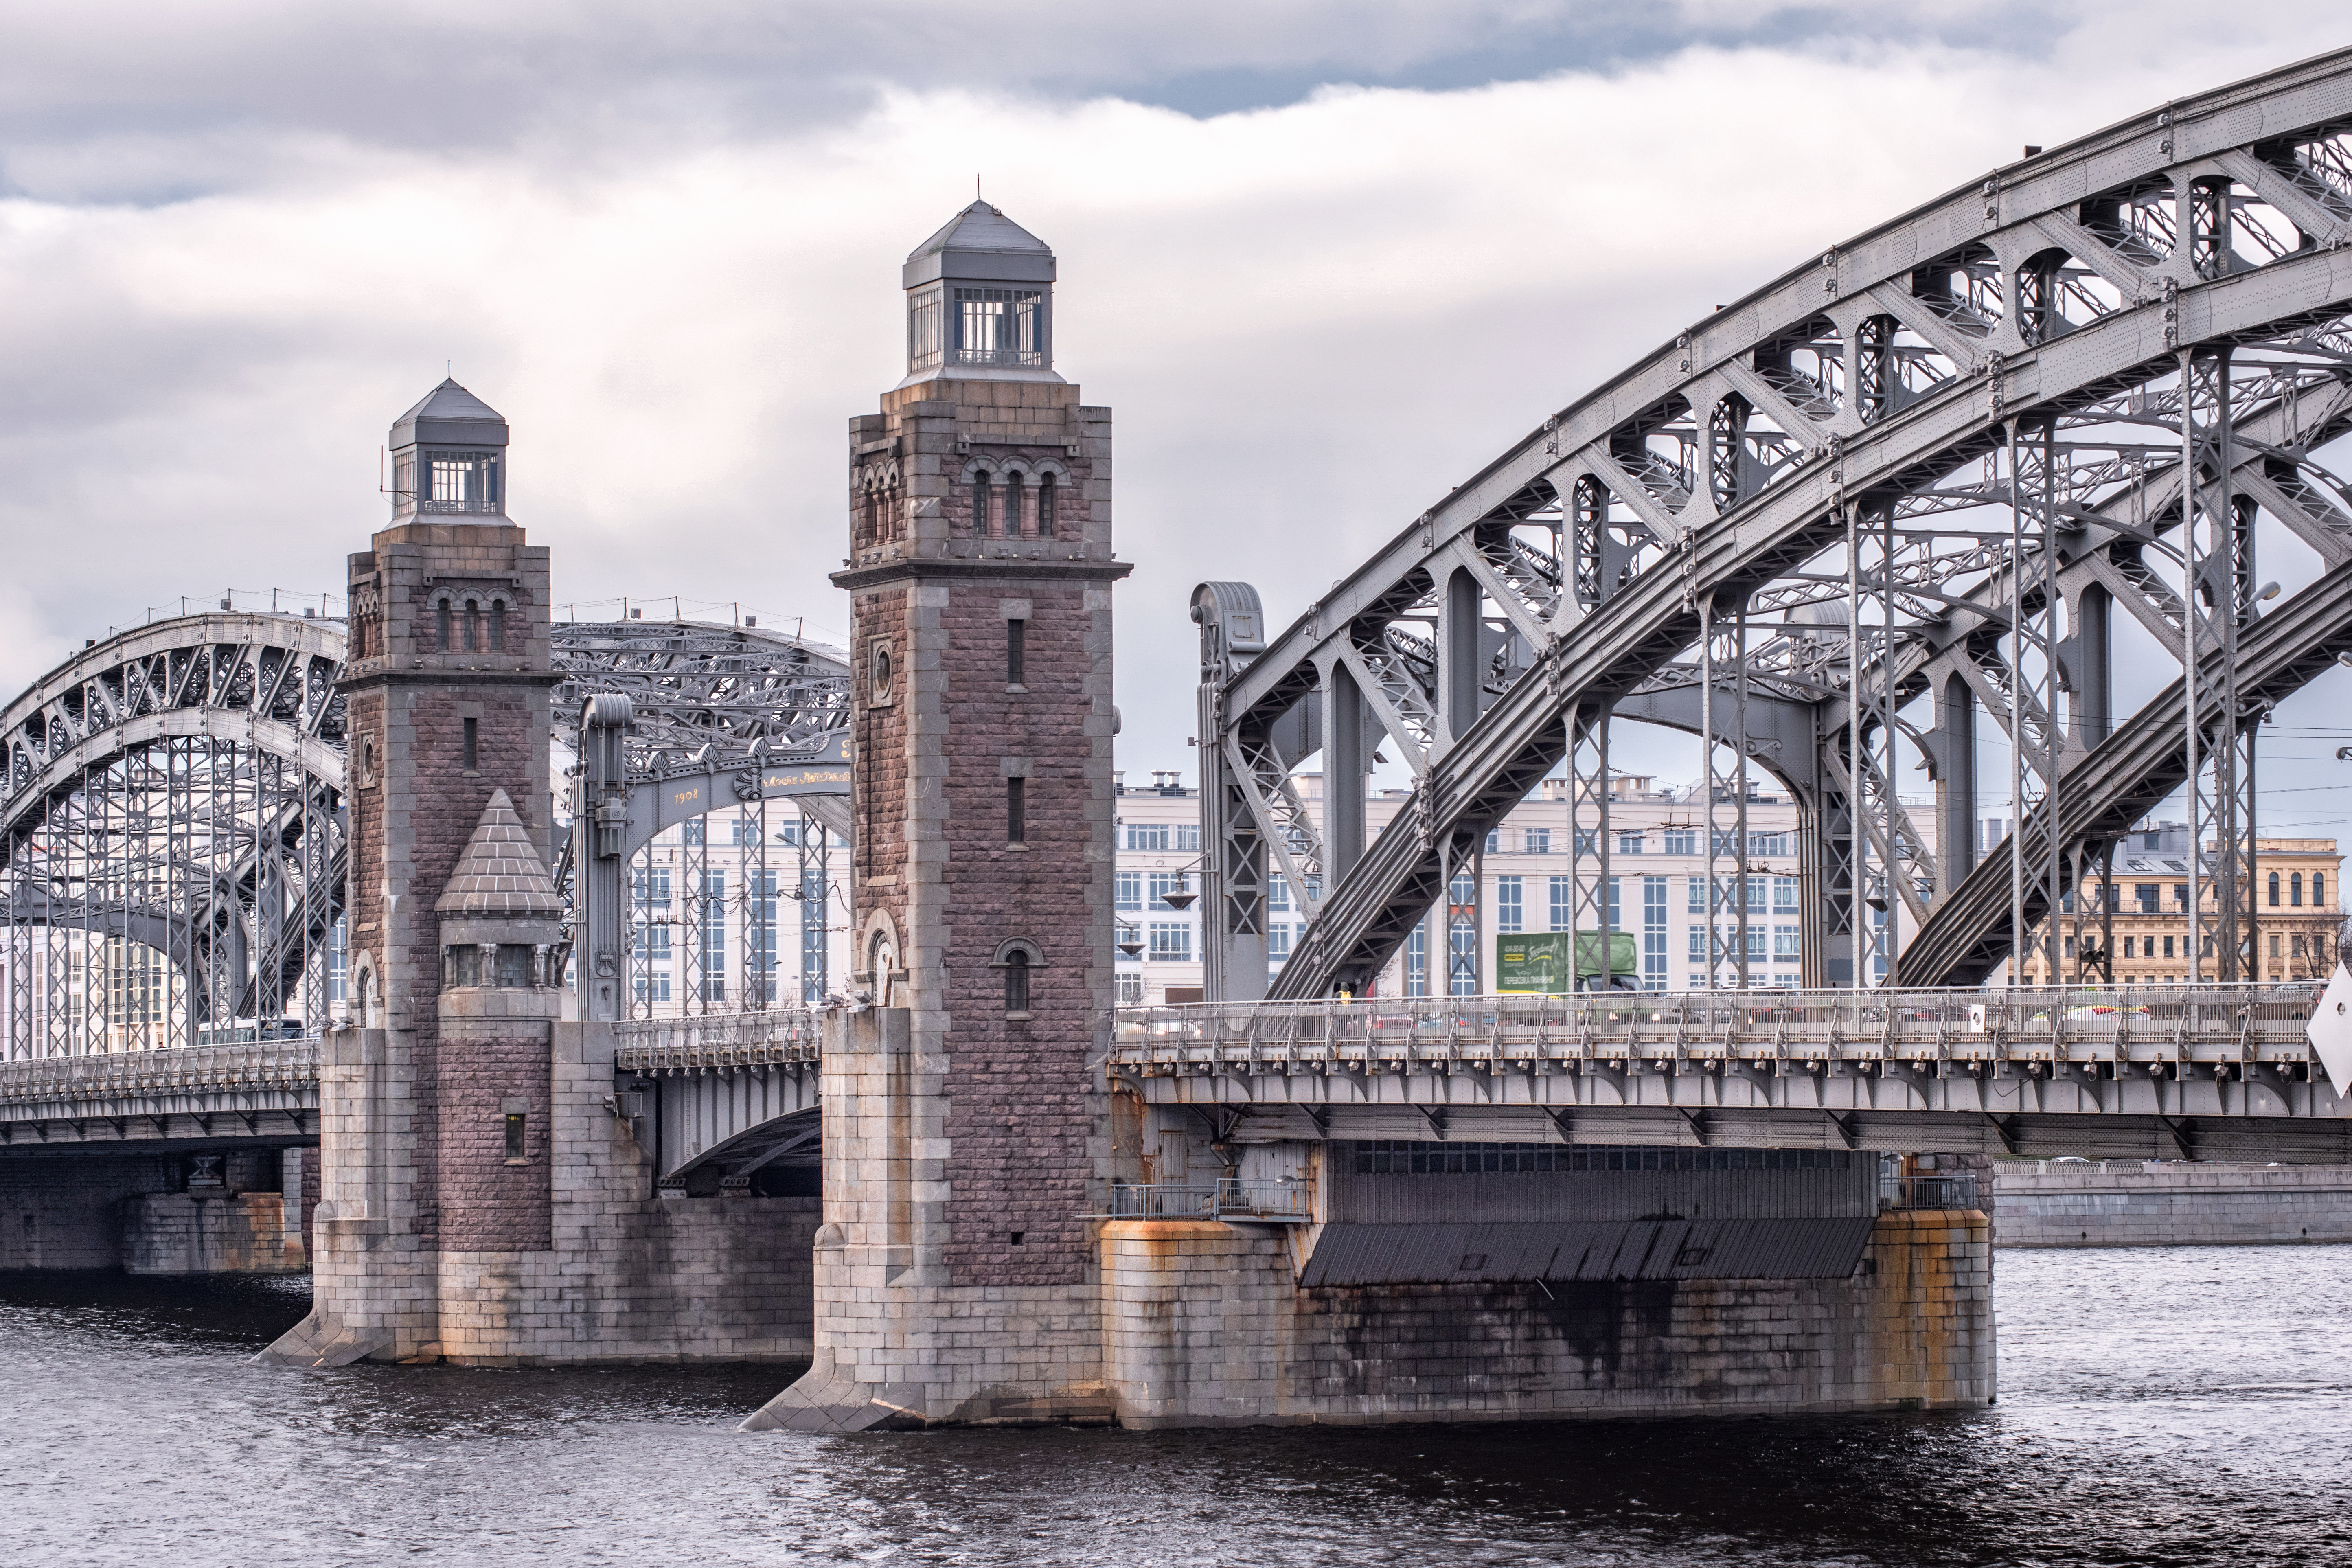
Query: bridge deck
point(2166, 1072)
point(266, 1088)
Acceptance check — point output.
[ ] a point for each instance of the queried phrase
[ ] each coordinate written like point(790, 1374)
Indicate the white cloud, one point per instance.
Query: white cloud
point(1311, 319)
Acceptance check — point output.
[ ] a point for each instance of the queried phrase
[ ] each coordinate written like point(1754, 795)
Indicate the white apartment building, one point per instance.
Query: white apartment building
point(720, 921)
point(1522, 883)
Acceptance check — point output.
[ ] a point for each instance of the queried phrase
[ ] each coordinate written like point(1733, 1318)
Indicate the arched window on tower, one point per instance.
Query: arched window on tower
point(1012, 519)
point(1046, 506)
point(441, 626)
point(498, 626)
point(1016, 981)
point(980, 504)
point(473, 625)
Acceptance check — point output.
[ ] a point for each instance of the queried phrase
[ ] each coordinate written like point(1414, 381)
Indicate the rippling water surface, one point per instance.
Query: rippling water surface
point(2164, 1406)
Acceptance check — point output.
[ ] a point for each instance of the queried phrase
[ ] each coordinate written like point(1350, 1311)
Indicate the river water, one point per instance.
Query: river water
point(2159, 1406)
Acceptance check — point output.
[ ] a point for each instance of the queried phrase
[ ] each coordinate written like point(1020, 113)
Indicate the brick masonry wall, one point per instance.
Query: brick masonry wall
point(184, 1233)
point(62, 1211)
point(488, 1204)
point(2120, 1204)
point(1204, 1325)
point(1018, 1118)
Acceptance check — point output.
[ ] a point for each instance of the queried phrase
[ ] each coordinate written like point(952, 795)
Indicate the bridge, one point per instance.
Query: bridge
point(1852, 525)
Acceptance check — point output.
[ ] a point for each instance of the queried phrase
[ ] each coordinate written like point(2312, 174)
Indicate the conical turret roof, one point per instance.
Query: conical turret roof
point(500, 874)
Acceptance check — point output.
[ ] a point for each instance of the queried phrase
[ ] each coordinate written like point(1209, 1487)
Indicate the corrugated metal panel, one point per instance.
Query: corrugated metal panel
point(1469, 1252)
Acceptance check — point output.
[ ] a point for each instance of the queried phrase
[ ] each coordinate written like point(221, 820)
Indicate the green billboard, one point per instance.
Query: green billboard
point(1538, 961)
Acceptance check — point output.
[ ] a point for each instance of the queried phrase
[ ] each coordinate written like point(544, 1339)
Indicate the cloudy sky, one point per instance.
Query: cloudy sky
point(1324, 259)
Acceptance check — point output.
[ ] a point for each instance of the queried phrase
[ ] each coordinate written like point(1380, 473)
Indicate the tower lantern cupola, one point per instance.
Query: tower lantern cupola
point(980, 301)
point(449, 459)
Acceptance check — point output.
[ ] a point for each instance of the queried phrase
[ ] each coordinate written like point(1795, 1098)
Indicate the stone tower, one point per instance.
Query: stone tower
point(435, 1166)
point(963, 1128)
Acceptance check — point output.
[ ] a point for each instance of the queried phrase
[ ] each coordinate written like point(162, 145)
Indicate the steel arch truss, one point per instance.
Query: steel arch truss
point(172, 833)
point(1889, 501)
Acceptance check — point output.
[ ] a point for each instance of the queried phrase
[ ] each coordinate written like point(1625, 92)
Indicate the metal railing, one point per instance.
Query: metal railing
point(1942, 1191)
point(1285, 1203)
point(778, 1037)
point(181, 1070)
point(2242, 1023)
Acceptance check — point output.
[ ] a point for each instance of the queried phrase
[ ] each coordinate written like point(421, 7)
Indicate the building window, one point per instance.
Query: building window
point(1495, 842)
point(1277, 895)
point(517, 1135)
point(2148, 894)
point(692, 833)
point(1681, 841)
point(1164, 883)
point(1769, 844)
point(1131, 891)
point(1462, 960)
point(2274, 945)
point(1563, 903)
point(1277, 942)
point(1016, 811)
point(1171, 943)
point(2180, 894)
point(498, 626)
point(1016, 636)
point(980, 506)
point(1784, 942)
point(1016, 981)
point(1698, 944)
point(1147, 836)
point(1629, 844)
point(339, 962)
point(2319, 890)
point(1696, 903)
point(473, 742)
point(442, 627)
point(1784, 894)
point(1416, 960)
point(1653, 933)
point(1537, 840)
point(1509, 904)
point(1188, 836)
point(2295, 890)
point(714, 936)
point(2274, 889)
point(473, 625)
point(1130, 990)
point(1046, 506)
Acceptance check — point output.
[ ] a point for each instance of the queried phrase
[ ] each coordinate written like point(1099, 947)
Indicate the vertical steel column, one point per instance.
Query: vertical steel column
point(1741, 784)
point(1858, 855)
point(2217, 565)
point(600, 823)
point(1343, 773)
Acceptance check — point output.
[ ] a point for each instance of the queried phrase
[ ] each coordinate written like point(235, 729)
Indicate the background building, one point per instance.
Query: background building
point(1521, 882)
point(2297, 897)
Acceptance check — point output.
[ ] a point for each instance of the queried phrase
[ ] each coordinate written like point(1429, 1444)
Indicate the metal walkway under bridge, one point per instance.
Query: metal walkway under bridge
point(1928, 487)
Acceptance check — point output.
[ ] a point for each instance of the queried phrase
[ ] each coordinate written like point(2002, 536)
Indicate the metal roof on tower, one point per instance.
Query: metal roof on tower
point(981, 242)
point(451, 415)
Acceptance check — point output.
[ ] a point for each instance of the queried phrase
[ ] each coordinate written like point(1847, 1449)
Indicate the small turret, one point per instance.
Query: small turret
point(980, 301)
point(449, 459)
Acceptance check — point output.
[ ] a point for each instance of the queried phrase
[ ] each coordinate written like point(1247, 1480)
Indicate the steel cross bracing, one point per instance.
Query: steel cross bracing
point(1926, 467)
point(172, 852)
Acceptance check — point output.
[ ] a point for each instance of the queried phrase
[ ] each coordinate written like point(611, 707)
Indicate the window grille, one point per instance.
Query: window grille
point(462, 482)
point(1000, 327)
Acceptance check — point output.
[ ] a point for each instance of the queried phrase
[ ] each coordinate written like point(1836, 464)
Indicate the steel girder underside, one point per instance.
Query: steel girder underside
point(171, 853)
point(1893, 494)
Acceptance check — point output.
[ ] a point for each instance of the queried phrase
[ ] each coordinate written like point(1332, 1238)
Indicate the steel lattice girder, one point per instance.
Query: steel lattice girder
point(179, 786)
point(1947, 379)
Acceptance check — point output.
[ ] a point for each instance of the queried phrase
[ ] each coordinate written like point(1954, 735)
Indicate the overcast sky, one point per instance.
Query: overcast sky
point(1324, 260)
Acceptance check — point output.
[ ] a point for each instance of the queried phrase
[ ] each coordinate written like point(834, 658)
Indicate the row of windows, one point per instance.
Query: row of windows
point(1785, 942)
point(1388, 1158)
point(1510, 898)
point(1161, 836)
point(1670, 841)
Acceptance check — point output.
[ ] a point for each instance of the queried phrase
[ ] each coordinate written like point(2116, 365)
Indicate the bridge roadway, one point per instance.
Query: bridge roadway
point(2162, 1072)
point(184, 1095)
